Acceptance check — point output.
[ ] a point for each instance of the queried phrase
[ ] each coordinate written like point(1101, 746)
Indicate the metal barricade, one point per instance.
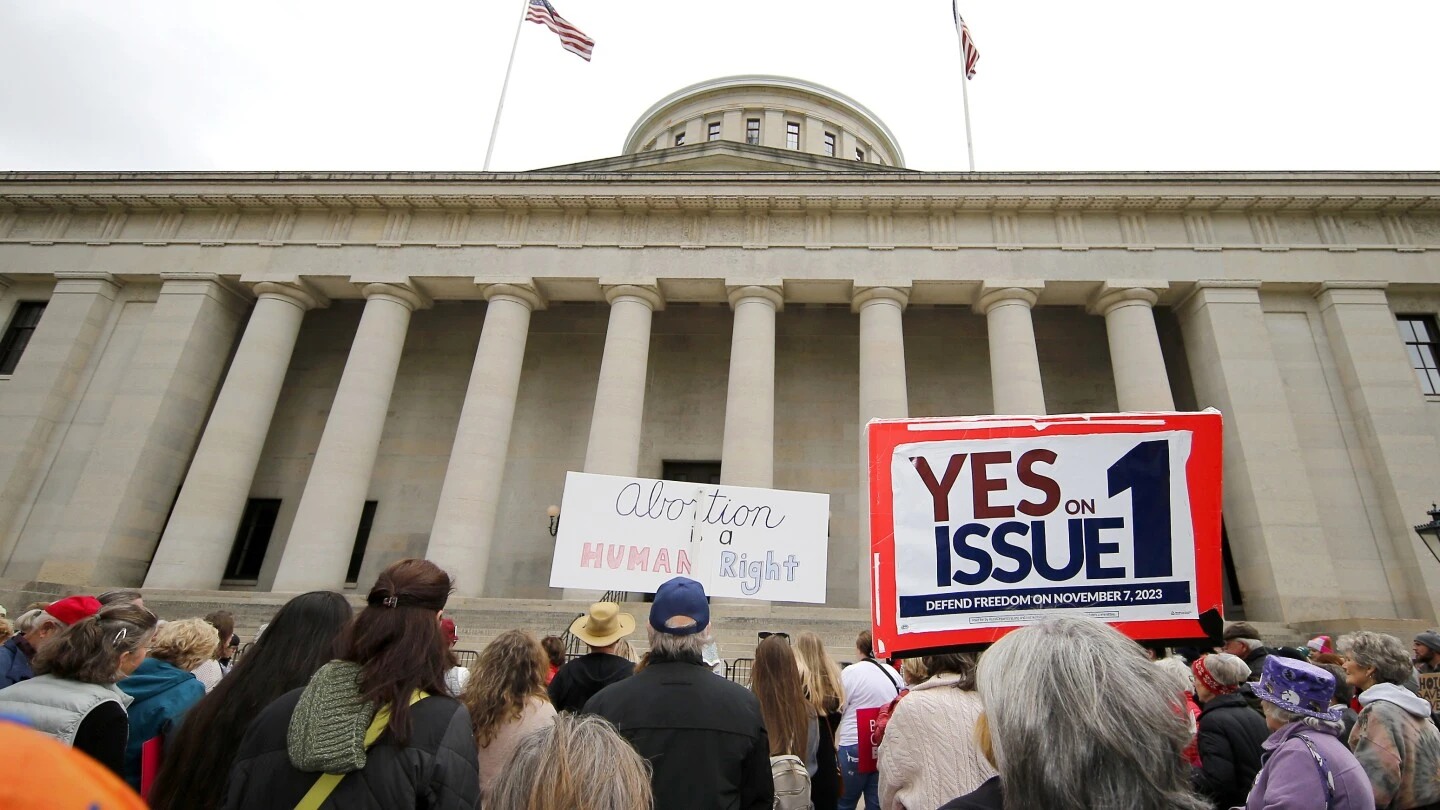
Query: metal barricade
point(738, 670)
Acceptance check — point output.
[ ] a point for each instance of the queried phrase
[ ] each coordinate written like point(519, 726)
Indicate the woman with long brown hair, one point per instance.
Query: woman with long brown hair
point(297, 641)
point(821, 677)
point(507, 700)
point(376, 728)
point(794, 726)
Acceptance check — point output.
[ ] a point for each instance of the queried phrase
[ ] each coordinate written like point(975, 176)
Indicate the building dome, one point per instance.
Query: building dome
point(769, 111)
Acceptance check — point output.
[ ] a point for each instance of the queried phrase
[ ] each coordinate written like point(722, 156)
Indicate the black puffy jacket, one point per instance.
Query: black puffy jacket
point(438, 770)
point(703, 735)
point(1229, 739)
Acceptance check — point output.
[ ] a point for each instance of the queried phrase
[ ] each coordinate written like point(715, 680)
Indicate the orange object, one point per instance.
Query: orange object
point(42, 773)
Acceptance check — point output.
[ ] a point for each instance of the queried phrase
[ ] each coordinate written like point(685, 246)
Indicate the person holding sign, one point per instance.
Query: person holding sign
point(869, 686)
point(1427, 652)
point(1077, 717)
point(1306, 764)
point(1394, 739)
point(929, 754)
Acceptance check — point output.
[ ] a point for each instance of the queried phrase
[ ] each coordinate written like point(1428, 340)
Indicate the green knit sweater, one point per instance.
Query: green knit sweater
point(327, 730)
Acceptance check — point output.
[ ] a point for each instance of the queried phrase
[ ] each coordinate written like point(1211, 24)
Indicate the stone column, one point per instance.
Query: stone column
point(1393, 422)
point(747, 456)
point(37, 395)
point(614, 446)
point(1014, 361)
point(114, 518)
point(7, 304)
point(883, 395)
point(1141, 383)
point(1270, 512)
point(464, 528)
point(322, 535)
point(197, 540)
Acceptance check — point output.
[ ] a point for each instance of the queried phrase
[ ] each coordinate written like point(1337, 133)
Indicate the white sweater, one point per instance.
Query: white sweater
point(929, 755)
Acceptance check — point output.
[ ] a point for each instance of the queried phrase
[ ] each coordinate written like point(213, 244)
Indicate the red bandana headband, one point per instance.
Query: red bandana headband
point(1208, 681)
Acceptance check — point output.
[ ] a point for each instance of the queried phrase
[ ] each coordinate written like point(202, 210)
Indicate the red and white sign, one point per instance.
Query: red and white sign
point(979, 525)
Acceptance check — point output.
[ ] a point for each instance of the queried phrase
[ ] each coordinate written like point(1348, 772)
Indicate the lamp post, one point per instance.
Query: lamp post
point(1430, 532)
point(553, 512)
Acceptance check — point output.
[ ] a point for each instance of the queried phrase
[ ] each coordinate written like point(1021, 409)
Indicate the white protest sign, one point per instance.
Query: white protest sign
point(632, 534)
point(1016, 529)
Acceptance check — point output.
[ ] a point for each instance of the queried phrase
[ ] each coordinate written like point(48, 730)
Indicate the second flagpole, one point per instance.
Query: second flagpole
point(500, 107)
point(964, 81)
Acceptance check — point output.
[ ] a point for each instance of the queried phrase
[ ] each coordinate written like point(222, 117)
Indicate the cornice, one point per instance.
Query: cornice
point(609, 200)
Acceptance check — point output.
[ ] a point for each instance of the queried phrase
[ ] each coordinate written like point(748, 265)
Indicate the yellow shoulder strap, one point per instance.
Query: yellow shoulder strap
point(326, 784)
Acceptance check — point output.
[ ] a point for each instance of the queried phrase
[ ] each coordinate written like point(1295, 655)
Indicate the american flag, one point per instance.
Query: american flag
point(572, 39)
point(967, 43)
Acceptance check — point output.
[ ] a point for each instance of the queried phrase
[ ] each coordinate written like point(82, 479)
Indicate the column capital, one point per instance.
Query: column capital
point(865, 296)
point(1330, 293)
point(520, 293)
point(1220, 290)
point(1112, 295)
point(296, 292)
point(773, 295)
point(407, 295)
point(86, 281)
point(993, 293)
point(646, 294)
point(191, 282)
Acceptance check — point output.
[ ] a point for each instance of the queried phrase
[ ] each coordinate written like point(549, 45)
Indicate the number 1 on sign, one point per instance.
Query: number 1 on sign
point(1145, 471)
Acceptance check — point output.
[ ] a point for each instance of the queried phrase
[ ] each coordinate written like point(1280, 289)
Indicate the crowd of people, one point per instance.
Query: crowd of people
point(333, 708)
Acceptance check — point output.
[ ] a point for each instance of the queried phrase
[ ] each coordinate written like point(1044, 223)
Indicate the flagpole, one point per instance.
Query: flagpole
point(964, 85)
point(500, 107)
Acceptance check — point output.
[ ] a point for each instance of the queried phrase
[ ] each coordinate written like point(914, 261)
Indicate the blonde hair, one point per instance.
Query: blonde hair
point(913, 671)
point(510, 672)
point(624, 650)
point(579, 763)
point(821, 675)
point(6, 631)
point(186, 643)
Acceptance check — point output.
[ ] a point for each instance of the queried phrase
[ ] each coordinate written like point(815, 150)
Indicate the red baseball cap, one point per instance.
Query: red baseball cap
point(72, 609)
point(447, 626)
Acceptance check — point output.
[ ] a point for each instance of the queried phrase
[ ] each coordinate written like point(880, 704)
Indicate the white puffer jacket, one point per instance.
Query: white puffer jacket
point(929, 755)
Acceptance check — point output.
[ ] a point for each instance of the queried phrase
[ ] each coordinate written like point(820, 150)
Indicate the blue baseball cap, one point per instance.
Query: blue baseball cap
point(680, 598)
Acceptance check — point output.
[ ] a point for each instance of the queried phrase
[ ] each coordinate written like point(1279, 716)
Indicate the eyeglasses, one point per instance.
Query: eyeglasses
point(764, 634)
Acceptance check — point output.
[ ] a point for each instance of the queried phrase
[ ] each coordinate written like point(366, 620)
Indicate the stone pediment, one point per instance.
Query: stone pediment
point(720, 156)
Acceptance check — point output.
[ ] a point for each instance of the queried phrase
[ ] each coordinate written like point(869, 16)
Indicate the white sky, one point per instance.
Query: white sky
point(412, 85)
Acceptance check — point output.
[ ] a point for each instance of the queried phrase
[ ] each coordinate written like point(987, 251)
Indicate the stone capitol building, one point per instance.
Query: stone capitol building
point(286, 381)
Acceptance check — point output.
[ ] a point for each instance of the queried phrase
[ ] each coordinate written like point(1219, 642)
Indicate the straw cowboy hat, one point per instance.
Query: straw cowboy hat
point(603, 625)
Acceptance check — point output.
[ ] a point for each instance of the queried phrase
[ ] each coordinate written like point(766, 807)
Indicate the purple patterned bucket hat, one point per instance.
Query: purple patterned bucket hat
point(1298, 687)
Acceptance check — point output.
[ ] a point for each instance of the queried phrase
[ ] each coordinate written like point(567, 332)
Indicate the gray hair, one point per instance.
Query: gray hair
point(1251, 644)
point(670, 647)
point(1286, 716)
point(1079, 718)
point(1388, 655)
point(27, 621)
point(1229, 670)
point(579, 763)
point(1179, 674)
